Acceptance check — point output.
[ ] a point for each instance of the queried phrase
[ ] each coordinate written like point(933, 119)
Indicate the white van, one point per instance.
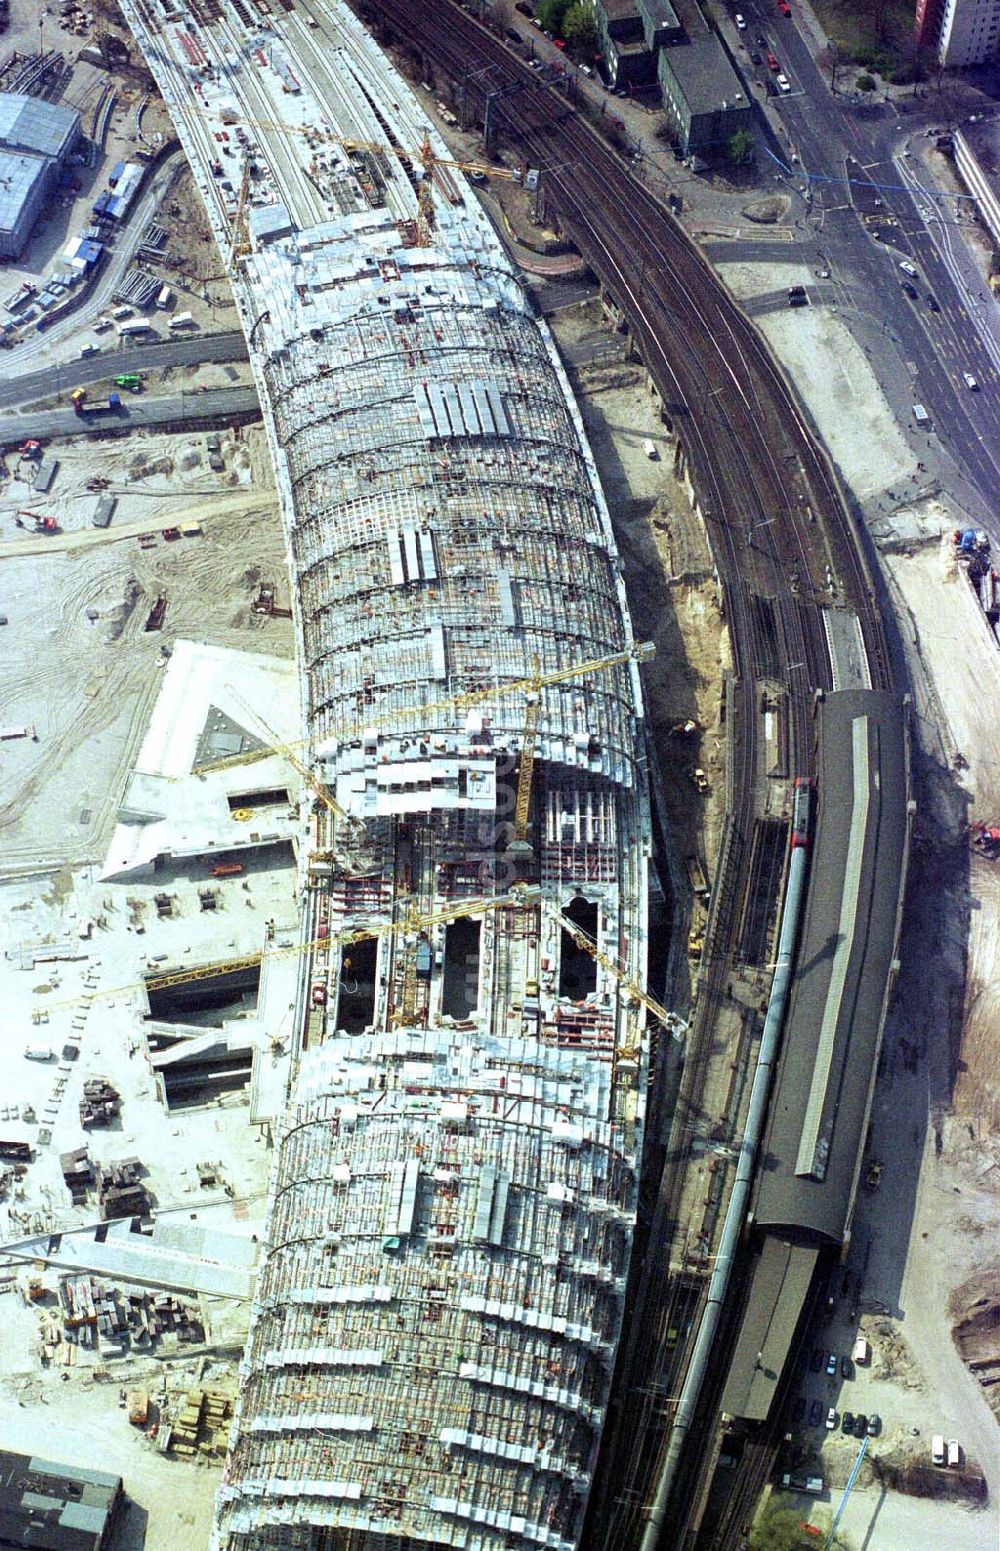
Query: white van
point(39, 1053)
point(937, 1449)
point(954, 1454)
point(908, 268)
point(649, 448)
point(920, 415)
point(862, 1353)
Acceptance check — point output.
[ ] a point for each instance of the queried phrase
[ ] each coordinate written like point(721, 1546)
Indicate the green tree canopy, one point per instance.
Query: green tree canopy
point(741, 147)
point(549, 15)
point(578, 25)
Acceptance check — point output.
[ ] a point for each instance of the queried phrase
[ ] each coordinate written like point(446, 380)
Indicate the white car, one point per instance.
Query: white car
point(90, 350)
point(970, 382)
point(784, 84)
point(741, 22)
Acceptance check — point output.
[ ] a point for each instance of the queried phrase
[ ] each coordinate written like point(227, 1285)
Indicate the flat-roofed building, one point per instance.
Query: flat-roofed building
point(49, 1507)
point(702, 96)
point(36, 139)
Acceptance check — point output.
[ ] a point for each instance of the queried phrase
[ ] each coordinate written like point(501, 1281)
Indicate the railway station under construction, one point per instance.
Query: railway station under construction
point(455, 1180)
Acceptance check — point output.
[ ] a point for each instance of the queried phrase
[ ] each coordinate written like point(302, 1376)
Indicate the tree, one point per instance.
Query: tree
point(578, 25)
point(549, 15)
point(779, 1528)
point(880, 18)
point(831, 57)
point(741, 147)
point(866, 83)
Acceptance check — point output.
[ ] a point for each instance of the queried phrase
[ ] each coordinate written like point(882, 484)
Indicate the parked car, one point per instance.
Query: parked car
point(815, 1413)
point(933, 303)
point(911, 292)
point(874, 1425)
point(784, 8)
point(754, 57)
point(846, 1367)
point(741, 23)
point(847, 1422)
point(970, 382)
point(831, 1419)
point(784, 84)
point(831, 1365)
point(860, 1425)
point(772, 63)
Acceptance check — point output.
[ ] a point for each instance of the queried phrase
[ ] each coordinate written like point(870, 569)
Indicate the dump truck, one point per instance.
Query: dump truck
point(84, 406)
point(130, 380)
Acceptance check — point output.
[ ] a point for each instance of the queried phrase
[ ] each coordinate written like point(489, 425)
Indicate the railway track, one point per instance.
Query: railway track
point(780, 535)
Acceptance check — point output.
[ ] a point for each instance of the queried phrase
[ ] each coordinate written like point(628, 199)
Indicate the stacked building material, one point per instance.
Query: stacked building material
point(120, 1190)
point(100, 1103)
point(78, 1173)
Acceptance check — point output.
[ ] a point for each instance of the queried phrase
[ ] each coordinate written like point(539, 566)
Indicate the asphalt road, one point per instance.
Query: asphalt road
point(216, 405)
point(918, 355)
point(62, 378)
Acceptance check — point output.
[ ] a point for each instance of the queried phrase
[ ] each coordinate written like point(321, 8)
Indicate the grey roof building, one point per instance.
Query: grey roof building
point(49, 1506)
point(35, 140)
point(660, 22)
point(702, 96)
point(45, 128)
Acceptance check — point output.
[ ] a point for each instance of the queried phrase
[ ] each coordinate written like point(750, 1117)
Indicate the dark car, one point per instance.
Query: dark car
point(910, 290)
point(754, 57)
point(846, 1367)
point(933, 303)
point(815, 1413)
point(860, 1425)
point(874, 1425)
point(799, 1408)
point(816, 1360)
point(847, 1422)
point(760, 40)
point(831, 1365)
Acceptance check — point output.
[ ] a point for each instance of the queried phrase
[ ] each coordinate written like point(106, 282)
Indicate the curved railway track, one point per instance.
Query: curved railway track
point(779, 531)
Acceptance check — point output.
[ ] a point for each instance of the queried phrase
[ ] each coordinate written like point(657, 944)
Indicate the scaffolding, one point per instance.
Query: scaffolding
point(455, 1181)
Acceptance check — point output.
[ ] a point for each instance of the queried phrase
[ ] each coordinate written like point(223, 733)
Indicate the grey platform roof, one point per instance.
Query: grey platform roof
point(781, 1277)
point(704, 75)
point(19, 175)
point(811, 1150)
point(28, 124)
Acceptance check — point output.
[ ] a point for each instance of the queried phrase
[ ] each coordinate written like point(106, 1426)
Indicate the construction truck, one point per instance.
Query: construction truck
point(84, 406)
point(130, 380)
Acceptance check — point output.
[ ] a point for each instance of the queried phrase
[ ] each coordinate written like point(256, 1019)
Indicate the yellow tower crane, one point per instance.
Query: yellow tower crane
point(631, 987)
point(311, 780)
point(240, 244)
point(638, 651)
point(426, 158)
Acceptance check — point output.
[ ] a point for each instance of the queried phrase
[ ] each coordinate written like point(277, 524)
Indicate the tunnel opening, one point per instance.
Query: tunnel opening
point(206, 1002)
point(577, 969)
point(460, 982)
point(267, 797)
point(356, 1001)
